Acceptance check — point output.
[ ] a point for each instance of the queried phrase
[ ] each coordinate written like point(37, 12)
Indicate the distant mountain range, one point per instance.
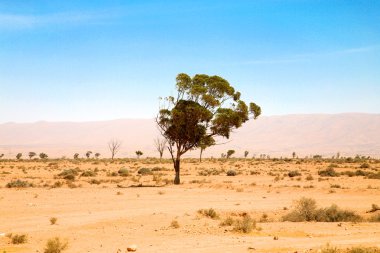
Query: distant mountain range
point(307, 134)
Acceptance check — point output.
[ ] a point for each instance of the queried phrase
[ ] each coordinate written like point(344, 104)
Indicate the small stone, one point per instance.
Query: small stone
point(132, 248)
point(275, 238)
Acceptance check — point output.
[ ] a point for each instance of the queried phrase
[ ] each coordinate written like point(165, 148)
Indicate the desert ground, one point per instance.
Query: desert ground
point(105, 206)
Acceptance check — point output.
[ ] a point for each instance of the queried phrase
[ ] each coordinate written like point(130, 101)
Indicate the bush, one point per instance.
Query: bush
point(123, 172)
point(144, 171)
point(329, 172)
point(245, 225)
point(231, 173)
point(364, 166)
point(335, 214)
point(294, 173)
point(174, 224)
point(53, 220)
point(210, 213)
point(68, 174)
point(229, 221)
point(19, 239)
point(19, 184)
point(89, 173)
point(55, 245)
point(306, 210)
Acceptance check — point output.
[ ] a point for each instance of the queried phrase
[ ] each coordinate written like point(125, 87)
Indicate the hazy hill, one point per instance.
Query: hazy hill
point(325, 134)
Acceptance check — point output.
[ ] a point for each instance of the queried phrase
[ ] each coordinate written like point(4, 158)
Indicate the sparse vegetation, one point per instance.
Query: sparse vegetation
point(55, 245)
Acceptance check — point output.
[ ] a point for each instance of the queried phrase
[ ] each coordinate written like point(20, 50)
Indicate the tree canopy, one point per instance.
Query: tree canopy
point(205, 107)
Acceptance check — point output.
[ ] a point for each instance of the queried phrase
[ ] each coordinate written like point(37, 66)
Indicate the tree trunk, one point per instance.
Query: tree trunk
point(176, 168)
point(200, 155)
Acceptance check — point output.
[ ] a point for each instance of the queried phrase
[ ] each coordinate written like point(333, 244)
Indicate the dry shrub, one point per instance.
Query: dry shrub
point(55, 245)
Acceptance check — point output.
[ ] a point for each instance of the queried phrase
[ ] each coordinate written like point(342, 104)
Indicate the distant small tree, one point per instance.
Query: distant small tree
point(32, 154)
point(97, 155)
point(230, 153)
point(205, 143)
point(114, 146)
point(18, 156)
point(294, 154)
point(43, 156)
point(338, 155)
point(139, 153)
point(246, 153)
point(160, 145)
point(1, 156)
point(88, 154)
point(222, 155)
point(76, 156)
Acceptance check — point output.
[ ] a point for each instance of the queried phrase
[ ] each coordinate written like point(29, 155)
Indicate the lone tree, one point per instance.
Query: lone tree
point(76, 156)
point(246, 153)
point(294, 154)
point(114, 146)
point(139, 153)
point(43, 156)
point(32, 154)
point(205, 107)
point(1, 156)
point(230, 153)
point(97, 155)
point(88, 154)
point(160, 145)
point(18, 156)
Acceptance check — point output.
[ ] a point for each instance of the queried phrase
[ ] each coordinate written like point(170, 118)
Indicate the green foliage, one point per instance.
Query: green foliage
point(55, 245)
point(144, 171)
point(139, 153)
point(198, 114)
point(32, 154)
point(230, 153)
point(43, 156)
point(123, 172)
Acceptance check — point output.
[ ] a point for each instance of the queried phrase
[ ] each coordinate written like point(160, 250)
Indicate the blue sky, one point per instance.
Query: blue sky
point(96, 60)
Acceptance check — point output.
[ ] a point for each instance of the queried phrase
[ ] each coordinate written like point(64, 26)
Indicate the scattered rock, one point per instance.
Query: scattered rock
point(132, 248)
point(275, 238)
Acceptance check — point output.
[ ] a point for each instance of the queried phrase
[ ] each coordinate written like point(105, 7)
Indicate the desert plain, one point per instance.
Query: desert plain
point(104, 205)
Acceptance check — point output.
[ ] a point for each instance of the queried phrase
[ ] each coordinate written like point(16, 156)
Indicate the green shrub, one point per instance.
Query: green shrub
point(19, 184)
point(229, 221)
point(123, 172)
point(144, 171)
point(304, 211)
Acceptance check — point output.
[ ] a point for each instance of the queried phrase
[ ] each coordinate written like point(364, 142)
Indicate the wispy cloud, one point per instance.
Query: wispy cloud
point(17, 21)
point(311, 56)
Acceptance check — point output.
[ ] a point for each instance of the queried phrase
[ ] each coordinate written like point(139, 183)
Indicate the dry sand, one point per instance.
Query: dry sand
point(111, 215)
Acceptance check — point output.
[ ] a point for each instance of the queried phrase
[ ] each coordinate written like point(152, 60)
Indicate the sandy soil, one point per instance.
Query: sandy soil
point(108, 214)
